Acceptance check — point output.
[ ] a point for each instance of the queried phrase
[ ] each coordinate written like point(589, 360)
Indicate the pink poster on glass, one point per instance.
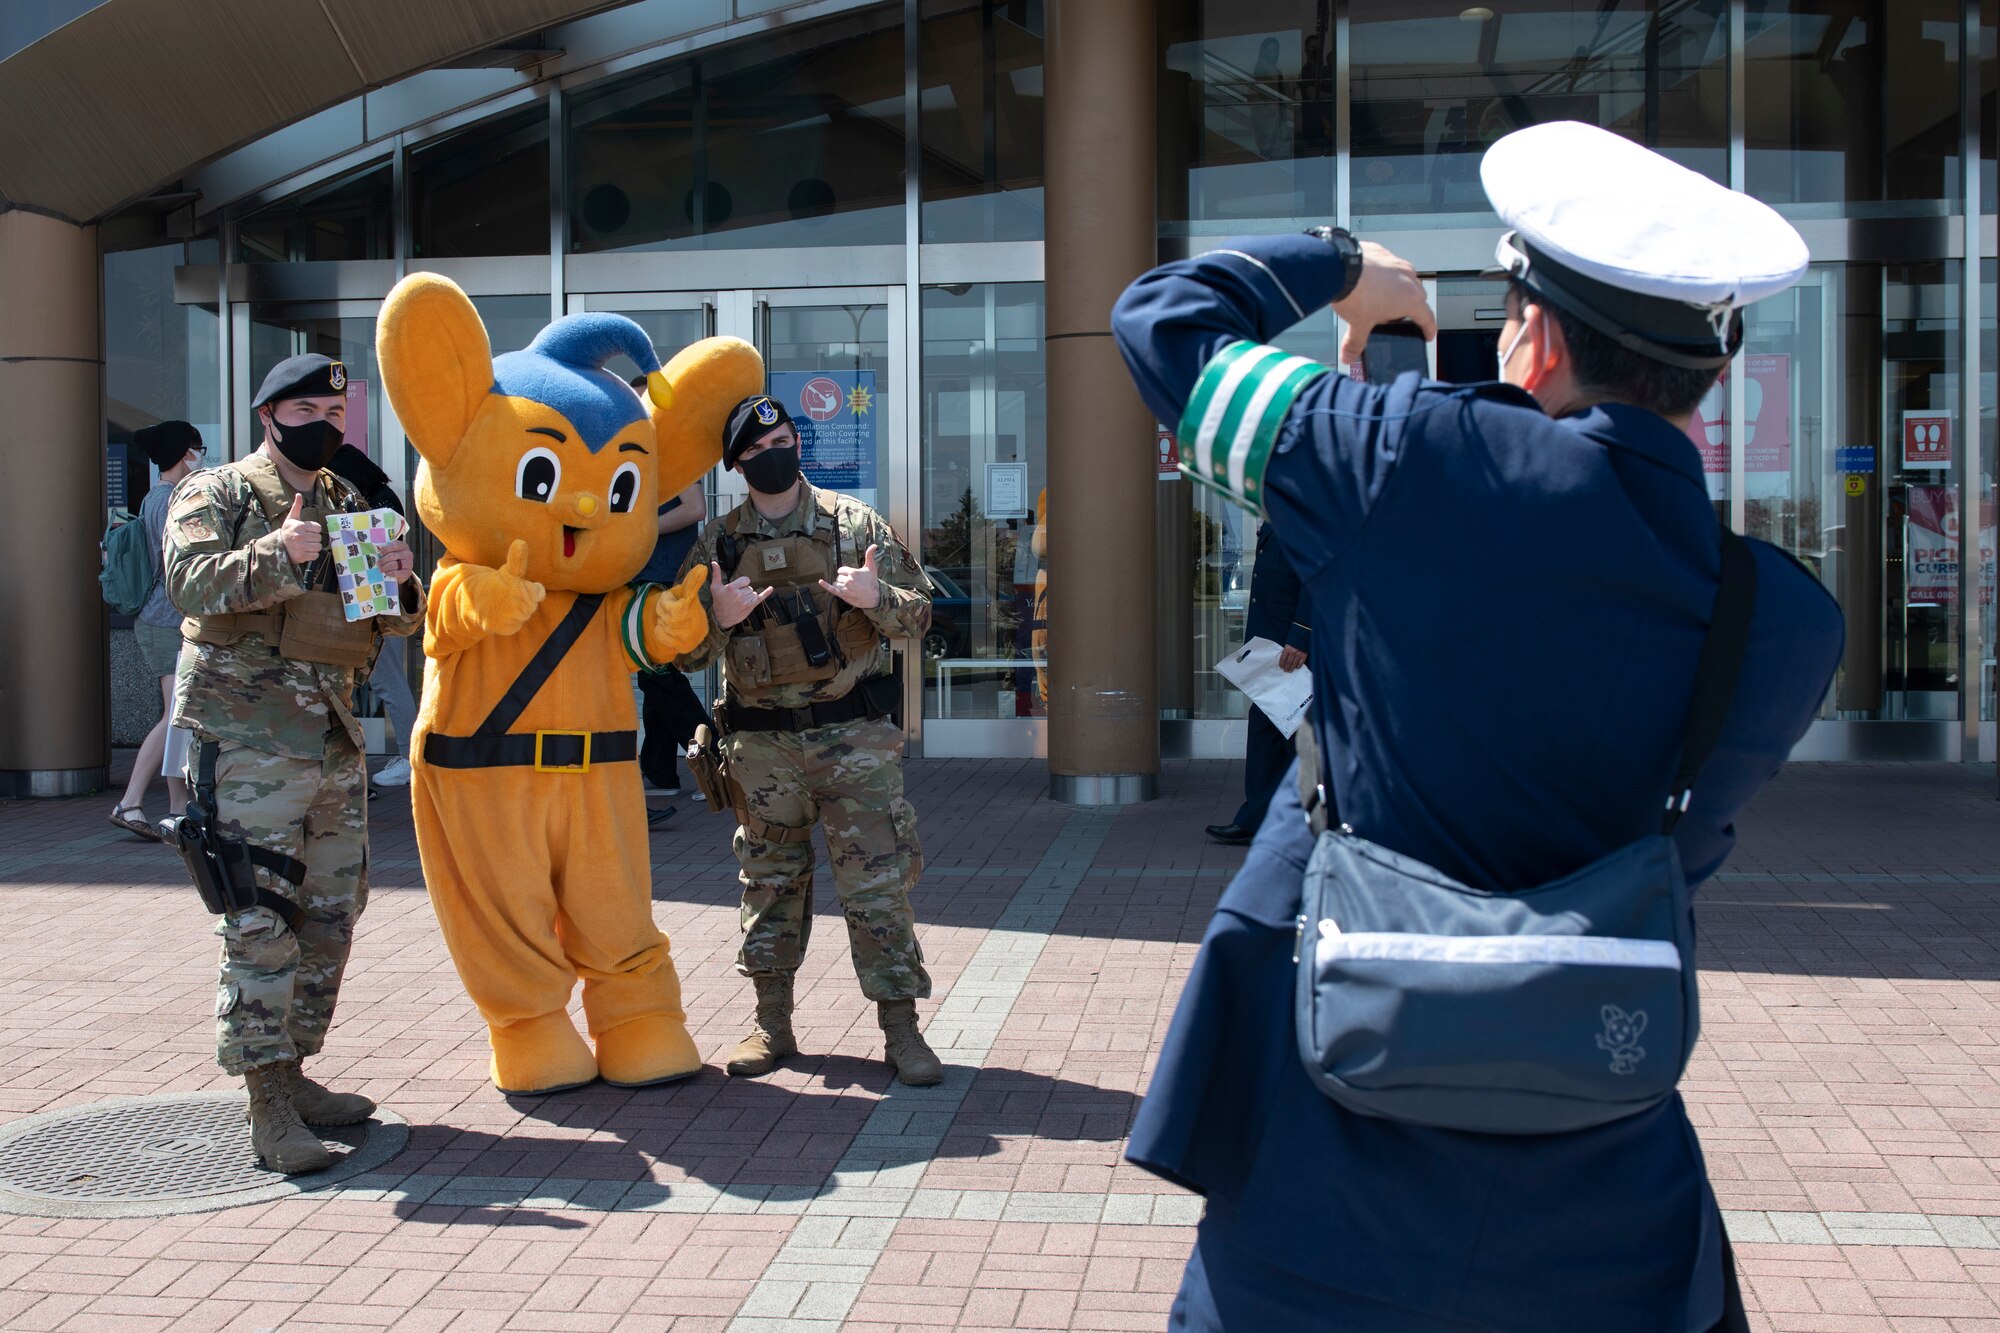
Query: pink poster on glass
point(356, 431)
point(1767, 417)
point(1931, 546)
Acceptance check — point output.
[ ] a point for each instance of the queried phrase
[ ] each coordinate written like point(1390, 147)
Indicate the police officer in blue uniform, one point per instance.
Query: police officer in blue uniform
point(1279, 611)
point(1512, 584)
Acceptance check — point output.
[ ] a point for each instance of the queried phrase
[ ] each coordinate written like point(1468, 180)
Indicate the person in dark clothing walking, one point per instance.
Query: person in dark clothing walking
point(1281, 612)
point(669, 709)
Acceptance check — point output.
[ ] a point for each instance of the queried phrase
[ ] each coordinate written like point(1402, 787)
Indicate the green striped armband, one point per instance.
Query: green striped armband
point(632, 629)
point(1231, 424)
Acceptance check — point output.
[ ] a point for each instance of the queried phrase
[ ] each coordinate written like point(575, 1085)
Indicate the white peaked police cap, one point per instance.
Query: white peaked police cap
point(1657, 257)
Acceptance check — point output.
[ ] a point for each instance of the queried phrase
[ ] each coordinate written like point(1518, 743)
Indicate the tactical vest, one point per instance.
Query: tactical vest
point(802, 633)
point(310, 627)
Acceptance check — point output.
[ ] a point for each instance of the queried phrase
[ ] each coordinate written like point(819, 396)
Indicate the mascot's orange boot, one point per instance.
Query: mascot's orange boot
point(540, 474)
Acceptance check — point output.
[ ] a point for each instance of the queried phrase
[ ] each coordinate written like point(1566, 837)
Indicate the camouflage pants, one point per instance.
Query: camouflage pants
point(850, 778)
point(277, 989)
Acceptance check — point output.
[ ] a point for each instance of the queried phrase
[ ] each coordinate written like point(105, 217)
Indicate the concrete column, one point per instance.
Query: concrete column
point(1104, 713)
point(53, 723)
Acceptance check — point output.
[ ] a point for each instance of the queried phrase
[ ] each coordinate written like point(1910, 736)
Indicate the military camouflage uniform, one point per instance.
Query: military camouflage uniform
point(848, 776)
point(289, 771)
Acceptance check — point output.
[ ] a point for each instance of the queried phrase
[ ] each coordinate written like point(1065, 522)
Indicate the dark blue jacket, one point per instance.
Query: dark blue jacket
point(1279, 609)
point(1509, 611)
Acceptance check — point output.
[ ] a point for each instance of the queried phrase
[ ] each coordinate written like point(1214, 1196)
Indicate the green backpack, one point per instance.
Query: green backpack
point(128, 574)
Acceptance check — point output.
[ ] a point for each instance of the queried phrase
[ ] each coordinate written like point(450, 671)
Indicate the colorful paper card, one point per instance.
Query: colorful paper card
point(356, 542)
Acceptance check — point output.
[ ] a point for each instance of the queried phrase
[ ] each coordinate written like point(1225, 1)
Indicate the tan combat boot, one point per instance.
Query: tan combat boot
point(280, 1141)
point(770, 1038)
point(916, 1063)
point(318, 1105)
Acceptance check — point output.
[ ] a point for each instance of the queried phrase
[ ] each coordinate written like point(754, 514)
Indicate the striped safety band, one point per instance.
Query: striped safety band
point(1231, 424)
point(632, 627)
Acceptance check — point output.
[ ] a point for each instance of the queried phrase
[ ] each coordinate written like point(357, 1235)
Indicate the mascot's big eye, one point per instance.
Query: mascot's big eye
point(536, 476)
point(624, 488)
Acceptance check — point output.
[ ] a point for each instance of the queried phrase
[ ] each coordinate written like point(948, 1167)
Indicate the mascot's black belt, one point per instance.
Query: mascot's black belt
point(492, 745)
point(544, 751)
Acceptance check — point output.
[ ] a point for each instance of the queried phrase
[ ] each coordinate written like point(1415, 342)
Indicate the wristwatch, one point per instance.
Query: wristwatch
point(1349, 250)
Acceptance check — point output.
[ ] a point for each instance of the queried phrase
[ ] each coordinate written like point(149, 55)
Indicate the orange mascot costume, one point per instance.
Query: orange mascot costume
point(540, 475)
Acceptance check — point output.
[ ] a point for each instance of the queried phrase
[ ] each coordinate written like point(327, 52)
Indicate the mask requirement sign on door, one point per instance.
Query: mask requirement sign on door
point(836, 412)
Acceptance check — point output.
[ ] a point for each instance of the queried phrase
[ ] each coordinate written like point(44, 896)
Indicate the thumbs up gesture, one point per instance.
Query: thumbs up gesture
point(502, 600)
point(858, 587)
point(303, 540)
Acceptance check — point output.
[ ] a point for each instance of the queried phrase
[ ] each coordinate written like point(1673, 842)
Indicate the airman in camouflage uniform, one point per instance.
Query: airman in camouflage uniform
point(804, 584)
point(266, 685)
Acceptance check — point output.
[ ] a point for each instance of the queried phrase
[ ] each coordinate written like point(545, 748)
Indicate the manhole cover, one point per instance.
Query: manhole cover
point(151, 1156)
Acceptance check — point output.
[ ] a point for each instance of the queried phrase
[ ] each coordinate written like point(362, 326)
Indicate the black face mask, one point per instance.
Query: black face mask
point(307, 447)
point(771, 472)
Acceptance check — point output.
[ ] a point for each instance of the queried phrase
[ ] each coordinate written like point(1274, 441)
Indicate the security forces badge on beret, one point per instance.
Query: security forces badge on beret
point(308, 375)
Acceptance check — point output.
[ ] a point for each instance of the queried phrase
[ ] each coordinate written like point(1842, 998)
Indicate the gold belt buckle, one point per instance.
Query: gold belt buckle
point(541, 767)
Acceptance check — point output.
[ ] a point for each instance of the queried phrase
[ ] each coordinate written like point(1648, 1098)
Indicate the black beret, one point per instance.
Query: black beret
point(308, 375)
point(166, 443)
point(754, 417)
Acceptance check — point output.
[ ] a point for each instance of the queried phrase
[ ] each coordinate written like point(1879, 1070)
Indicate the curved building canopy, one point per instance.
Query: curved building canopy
point(131, 93)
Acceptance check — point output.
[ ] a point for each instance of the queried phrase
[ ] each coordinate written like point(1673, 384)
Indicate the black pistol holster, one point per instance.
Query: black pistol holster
point(224, 868)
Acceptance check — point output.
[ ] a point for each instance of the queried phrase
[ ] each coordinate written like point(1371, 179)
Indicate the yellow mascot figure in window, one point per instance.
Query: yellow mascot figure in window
point(540, 475)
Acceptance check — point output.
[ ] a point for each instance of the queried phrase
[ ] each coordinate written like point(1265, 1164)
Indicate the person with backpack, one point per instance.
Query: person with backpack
point(175, 448)
point(1424, 1068)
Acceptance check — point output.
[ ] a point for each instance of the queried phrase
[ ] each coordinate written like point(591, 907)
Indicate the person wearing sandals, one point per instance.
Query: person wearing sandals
point(175, 448)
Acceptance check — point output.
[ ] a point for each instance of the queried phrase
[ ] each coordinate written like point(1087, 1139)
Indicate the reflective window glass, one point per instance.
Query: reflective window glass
point(1246, 112)
point(345, 218)
point(1853, 463)
point(483, 191)
point(984, 499)
point(159, 361)
point(982, 120)
point(1852, 103)
point(1434, 85)
point(1989, 521)
point(795, 139)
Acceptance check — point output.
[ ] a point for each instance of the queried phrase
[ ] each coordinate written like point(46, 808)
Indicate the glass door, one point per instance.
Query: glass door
point(833, 356)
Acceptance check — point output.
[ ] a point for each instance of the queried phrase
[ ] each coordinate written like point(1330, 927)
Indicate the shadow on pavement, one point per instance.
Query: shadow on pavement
point(719, 1144)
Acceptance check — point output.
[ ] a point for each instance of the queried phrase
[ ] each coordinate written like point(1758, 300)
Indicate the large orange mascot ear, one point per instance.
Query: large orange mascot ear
point(703, 381)
point(437, 366)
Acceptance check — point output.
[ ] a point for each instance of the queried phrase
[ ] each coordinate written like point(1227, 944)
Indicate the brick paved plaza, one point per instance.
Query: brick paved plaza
point(1847, 1088)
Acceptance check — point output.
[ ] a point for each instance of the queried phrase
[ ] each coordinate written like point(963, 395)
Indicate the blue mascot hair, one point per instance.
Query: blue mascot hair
point(563, 368)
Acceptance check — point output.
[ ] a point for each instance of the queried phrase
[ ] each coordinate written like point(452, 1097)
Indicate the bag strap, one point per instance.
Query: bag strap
point(1715, 676)
point(1716, 672)
point(541, 666)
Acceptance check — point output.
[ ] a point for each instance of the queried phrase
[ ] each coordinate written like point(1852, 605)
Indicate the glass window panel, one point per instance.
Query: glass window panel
point(1989, 94)
point(159, 358)
point(483, 191)
point(1852, 105)
point(1989, 521)
point(347, 218)
point(793, 140)
point(1434, 85)
point(984, 495)
point(1246, 112)
point(849, 346)
point(511, 321)
point(1857, 372)
point(982, 120)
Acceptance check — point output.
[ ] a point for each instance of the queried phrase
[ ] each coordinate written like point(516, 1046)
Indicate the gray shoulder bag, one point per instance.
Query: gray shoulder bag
point(1535, 1011)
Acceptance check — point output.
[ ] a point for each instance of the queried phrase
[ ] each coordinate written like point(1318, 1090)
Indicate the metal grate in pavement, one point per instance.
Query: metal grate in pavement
point(155, 1156)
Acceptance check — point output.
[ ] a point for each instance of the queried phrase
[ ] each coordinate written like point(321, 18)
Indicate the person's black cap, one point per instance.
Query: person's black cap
point(754, 417)
point(308, 375)
point(166, 443)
